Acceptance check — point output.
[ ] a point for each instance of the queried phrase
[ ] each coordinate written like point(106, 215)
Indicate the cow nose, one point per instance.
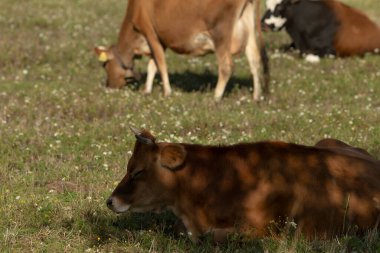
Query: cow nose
point(109, 202)
point(264, 26)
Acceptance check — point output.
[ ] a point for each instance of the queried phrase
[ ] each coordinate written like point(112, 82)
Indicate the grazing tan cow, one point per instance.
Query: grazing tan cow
point(325, 189)
point(193, 27)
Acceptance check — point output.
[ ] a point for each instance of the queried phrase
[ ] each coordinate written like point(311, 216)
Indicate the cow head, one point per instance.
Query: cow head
point(119, 70)
point(275, 18)
point(150, 180)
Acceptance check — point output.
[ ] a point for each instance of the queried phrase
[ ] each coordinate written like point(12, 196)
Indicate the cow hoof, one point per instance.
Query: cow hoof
point(147, 92)
point(218, 98)
point(258, 98)
point(167, 93)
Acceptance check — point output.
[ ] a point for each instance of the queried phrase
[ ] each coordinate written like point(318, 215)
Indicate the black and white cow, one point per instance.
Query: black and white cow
point(323, 27)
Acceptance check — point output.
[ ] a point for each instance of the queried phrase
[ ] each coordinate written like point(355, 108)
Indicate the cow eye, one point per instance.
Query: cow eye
point(280, 8)
point(137, 174)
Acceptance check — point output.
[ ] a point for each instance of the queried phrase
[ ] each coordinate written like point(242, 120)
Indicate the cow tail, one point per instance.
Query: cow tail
point(263, 53)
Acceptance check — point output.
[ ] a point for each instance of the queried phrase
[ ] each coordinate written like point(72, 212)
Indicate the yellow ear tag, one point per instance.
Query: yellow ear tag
point(103, 57)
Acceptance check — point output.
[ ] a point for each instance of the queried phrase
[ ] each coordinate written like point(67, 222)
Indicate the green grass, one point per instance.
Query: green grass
point(64, 139)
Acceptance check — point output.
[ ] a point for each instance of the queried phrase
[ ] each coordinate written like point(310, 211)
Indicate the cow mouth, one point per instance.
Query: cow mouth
point(121, 209)
point(265, 27)
point(274, 23)
point(116, 205)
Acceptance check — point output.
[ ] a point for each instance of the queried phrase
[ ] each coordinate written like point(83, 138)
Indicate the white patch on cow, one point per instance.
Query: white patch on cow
point(272, 4)
point(312, 58)
point(118, 206)
point(277, 22)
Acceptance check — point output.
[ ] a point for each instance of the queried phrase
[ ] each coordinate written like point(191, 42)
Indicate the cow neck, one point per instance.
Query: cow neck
point(119, 59)
point(124, 49)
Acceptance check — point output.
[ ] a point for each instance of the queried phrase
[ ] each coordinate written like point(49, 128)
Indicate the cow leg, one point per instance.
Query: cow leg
point(159, 57)
point(152, 70)
point(224, 71)
point(254, 59)
point(221, 234)
point(252, 48)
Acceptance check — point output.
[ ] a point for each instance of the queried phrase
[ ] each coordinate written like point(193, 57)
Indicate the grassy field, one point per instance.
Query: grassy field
point(64, 139)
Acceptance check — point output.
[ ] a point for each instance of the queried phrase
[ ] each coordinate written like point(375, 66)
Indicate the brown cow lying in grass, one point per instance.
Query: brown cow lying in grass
point(325, 189)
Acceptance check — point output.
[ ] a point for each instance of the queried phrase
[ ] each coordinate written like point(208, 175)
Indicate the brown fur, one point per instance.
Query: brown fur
point(325, 189)
point(357, 34)
point(343, 148)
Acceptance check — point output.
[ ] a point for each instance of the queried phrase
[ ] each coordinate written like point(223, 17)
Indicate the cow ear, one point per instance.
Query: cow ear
point(103, 54)
point(173, 156)
point(143, 136)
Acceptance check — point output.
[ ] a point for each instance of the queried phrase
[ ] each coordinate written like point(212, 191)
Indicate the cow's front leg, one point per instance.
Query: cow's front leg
point(193, 230)
point(151, 72)
point(224, 71)
point(159, 58)
point(220, 235)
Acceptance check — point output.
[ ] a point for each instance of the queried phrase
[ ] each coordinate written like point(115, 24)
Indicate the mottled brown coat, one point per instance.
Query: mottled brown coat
point(324, 189)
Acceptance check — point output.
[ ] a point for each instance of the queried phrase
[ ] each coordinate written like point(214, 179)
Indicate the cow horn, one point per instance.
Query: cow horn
point(140, 137)
point(135, 131)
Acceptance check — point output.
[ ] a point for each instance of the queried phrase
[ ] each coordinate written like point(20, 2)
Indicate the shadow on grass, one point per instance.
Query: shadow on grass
point(163, 229)
point(188, 81)
point(119, 226)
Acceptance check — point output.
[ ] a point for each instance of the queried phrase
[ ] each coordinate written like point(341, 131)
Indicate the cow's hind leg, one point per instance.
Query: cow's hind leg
point(151, 72)
point(253, 56)
point(254, 59)
point(224, 70)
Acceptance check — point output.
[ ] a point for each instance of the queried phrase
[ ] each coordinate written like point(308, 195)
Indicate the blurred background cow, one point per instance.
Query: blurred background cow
point(324, 27)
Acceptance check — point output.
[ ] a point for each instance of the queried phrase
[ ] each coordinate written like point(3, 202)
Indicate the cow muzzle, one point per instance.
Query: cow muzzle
point(116, 205)
point(265, 27)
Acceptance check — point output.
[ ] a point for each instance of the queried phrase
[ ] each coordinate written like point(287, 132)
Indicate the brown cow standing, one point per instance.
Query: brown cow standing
point(194, 27)
point(324, 189)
